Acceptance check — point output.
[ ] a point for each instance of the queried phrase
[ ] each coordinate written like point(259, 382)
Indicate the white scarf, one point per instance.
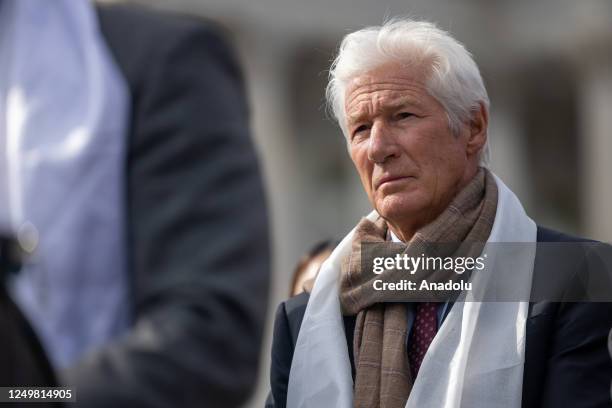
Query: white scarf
point(465, 365)
point(63, 117)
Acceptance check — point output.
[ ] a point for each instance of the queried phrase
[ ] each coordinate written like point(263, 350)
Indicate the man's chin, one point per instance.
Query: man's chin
point(395, 209)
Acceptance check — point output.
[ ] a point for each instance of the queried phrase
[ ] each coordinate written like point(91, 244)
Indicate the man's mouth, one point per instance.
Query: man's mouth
point(391, 179)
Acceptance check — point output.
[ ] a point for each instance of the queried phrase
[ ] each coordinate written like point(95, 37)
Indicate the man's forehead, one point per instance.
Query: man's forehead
point(396, 86)
point(392, 72)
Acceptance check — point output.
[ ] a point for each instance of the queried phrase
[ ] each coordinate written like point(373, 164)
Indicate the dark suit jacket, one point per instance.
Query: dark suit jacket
point(566, 357)
point(198, 256)
point(22, 359)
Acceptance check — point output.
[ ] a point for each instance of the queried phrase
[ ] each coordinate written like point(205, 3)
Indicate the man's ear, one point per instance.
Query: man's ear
point(478, 130)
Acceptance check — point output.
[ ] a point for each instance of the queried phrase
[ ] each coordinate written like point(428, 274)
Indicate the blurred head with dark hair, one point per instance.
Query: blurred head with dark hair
point(308, 267)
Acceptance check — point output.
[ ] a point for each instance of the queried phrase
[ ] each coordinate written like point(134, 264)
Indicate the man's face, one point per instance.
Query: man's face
point(410, 163)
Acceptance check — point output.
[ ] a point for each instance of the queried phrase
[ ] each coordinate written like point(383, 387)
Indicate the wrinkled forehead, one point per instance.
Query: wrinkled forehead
point(415, 70)
point(388, 73)
point(398, 83)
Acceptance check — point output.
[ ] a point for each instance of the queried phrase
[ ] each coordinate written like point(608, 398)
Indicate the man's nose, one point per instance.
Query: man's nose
point(382, 144)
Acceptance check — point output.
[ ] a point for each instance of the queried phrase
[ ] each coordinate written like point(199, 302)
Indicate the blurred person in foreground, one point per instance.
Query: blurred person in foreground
point(413, 107)
point(125, 153)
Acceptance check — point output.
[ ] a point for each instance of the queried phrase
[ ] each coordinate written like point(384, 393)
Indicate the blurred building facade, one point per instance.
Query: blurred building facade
point(547, 66)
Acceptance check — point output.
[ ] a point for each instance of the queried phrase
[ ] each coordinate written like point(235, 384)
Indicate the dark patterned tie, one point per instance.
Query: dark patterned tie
point(423, 331)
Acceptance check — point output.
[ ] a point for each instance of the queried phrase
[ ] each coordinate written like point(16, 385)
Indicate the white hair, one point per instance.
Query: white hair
point(453, 78)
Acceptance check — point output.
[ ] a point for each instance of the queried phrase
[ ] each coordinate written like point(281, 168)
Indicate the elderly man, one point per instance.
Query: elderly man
point(412, 105)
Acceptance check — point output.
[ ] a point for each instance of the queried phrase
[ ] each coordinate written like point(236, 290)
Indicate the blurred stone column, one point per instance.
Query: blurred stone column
point(509, 158)
point(266, 58)
point(507, 133)
point(596, 130)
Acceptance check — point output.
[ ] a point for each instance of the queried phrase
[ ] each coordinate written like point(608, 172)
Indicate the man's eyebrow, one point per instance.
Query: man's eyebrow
point(404, 101)
point(359, 114)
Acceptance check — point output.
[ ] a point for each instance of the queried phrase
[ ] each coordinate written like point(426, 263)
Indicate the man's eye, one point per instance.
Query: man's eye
point(404, 115)
point(360, 129)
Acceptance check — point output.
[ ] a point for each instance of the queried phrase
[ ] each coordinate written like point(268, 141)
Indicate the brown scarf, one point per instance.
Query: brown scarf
point(383, 378)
